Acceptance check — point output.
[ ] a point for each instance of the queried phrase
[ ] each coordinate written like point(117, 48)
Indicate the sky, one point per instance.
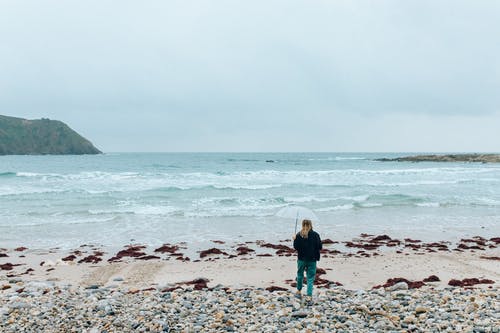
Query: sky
point(259, 75)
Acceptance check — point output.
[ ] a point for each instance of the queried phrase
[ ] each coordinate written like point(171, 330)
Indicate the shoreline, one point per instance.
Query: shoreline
point(361, 263)
point(372, 283)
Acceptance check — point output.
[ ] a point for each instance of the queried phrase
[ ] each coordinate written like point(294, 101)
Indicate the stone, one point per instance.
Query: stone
point(398, 286)
point(421, 309)
point(299, 314)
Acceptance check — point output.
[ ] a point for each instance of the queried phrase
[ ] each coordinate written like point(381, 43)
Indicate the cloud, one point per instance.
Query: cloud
point(257, 67)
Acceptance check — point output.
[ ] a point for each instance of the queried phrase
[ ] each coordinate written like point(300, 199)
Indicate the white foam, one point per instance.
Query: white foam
point(137, 209)
point(358, 198)
point(334, 208)
point(306, 199)
point(428, 204)
point(371, 205)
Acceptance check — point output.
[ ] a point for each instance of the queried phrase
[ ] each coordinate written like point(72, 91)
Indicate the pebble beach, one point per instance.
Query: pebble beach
point(44, 307)
point(373, 283)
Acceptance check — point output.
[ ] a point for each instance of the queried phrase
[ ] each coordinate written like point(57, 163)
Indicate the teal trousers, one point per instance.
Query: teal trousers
point(310, 268)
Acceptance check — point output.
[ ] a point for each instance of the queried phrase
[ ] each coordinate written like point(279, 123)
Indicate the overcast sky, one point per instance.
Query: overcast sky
point(258, 75)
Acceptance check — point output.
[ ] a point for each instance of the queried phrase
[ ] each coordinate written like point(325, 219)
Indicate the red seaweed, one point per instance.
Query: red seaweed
point(90, 259)
point(8, 266)
point(213, 250)
point(166, 248)
point(469, 282)
point(275, 288)
point(432, 278)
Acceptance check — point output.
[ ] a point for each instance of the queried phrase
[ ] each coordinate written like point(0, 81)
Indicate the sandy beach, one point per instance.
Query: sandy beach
point(378, 266)
point(262, 265)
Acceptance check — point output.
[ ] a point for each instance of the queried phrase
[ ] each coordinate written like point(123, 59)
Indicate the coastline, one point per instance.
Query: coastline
point(371, 283)
point(361, 263)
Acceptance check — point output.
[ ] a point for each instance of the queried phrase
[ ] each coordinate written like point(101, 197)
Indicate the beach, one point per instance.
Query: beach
point(191, 242)
point(172, 166)
point(370, 283)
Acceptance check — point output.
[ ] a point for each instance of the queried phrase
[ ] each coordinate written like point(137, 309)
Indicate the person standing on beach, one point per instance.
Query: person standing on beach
point(308, 245)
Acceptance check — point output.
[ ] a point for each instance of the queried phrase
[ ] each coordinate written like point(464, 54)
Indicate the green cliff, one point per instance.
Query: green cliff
point(41, 137)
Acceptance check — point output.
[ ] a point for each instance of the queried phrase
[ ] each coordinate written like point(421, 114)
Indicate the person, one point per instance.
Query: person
point(308, 245)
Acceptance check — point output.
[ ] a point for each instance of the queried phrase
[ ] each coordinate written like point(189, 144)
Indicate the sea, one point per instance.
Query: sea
point(116, 199)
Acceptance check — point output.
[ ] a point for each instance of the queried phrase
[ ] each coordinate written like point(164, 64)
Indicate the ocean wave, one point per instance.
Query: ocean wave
point(262, 211)
point(242, 160)
point(370, 205)
point(80, 176)
point(417, 183)
point(44, 221)
point(138, 210)
point(28, 174)
point(334, 208)
point(7, 174)
point(306, 199)
point(245, 187)
point(357, 198)
point(6, 191)
point(255, 180)
point(214, 187)
point(428, 204)
point(487, 201)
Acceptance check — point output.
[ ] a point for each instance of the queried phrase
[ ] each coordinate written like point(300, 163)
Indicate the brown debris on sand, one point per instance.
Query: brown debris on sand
point(148, 257)
point(432, 278)
point(490, 258)
point(213, 250)
point(393, 281)
point(198, 284)
point(282, 250)
point(409, 240)
point(469, 282)
point(92, 259)
point(242, 250)
point(8, 266)
point(276, 288)
point(167, 248)
point(133, 251)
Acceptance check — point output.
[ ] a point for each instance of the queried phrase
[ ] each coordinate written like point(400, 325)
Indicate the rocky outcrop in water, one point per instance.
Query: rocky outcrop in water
point(482, 158)
point(41, 137)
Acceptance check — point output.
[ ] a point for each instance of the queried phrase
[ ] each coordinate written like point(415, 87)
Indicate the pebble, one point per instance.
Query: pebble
point(398, 286)
point(54, 308)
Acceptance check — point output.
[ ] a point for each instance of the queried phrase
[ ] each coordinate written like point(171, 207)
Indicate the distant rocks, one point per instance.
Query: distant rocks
point(481, 158)
point(41, 137)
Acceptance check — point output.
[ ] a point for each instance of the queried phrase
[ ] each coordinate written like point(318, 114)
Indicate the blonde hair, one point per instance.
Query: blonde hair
point(306, 227)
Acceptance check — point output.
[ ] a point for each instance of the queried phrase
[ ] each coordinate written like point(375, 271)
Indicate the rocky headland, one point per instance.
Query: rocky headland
point(476, 158)
point(20, 136)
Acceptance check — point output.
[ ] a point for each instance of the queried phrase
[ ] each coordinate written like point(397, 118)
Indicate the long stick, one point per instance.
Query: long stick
point(296, 220)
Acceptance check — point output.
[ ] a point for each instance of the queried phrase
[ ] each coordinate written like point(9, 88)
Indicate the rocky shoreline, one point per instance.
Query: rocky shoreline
point(44, 307)
point(471, 158)
point(429, 287)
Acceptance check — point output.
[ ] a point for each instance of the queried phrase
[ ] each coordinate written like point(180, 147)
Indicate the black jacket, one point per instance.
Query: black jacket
point(308, 248)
